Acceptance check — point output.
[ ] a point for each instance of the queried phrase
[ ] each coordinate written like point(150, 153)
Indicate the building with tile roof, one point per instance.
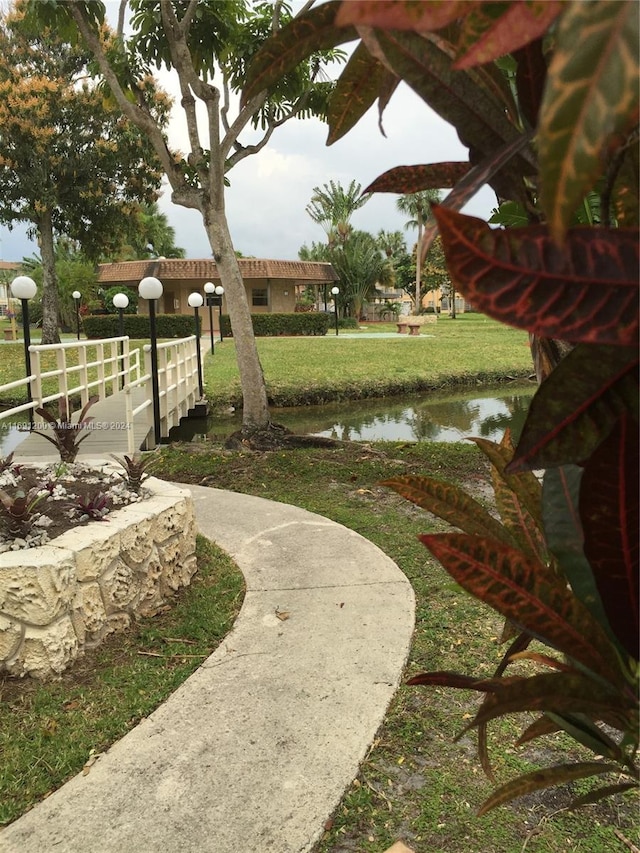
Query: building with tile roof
point(270, 285)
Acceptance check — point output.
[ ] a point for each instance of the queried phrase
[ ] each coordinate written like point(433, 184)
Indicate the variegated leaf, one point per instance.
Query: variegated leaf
point(530, 595)
point(313, 31)
point(586, 291)
point(540, 779)
point(412, 179)
point(591, 94)
point(451, 504)
point(358, 87)
point(405, 15)
point(577, 405)
point(488, 35)
point(611, 521)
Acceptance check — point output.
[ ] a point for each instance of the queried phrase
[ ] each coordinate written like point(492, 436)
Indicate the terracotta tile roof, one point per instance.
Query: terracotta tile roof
point(205, 269)
point(9, 265)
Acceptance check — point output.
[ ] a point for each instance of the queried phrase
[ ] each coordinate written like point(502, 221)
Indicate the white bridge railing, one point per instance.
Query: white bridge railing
point(106, 366)
point(177, 381)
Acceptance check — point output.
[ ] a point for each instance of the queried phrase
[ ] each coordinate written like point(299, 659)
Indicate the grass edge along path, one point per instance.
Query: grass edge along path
point(50, 730)
point(416, 783)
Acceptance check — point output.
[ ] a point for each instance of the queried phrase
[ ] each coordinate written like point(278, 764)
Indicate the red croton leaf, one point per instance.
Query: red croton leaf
point(540, 779)
point(412, 179)
point(490, 37)
point(359, 86)
point(530, 78)
point(611, 520)
point(577, 405)
point(527, 593)
point(282, 52)
point(586, 291)
point(409, 15)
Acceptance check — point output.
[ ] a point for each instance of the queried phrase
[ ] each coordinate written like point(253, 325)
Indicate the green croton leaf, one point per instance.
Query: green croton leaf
point(577, 406)
point(358, 87)
point(591, 95)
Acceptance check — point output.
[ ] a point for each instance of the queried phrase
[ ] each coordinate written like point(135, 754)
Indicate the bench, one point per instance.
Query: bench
point(413, 324)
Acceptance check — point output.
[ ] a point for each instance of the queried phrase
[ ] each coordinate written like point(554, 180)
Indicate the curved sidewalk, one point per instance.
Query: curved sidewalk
point(254, 751)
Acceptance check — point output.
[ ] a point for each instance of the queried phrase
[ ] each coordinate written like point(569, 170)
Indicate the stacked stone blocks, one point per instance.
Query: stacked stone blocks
point(64, 597)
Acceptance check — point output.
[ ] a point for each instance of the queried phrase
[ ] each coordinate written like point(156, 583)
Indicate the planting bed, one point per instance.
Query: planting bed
point(65, 596)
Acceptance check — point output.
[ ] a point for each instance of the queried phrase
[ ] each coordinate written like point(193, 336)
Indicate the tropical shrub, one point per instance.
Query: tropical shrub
point(545, 97)
point(298, 323)
point(131, 294)
point(136, 326)
point(64, 433)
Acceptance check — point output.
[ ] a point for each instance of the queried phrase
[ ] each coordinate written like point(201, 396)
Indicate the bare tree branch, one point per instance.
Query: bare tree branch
point(187, 18)
point(122, 11)
point(138, 114)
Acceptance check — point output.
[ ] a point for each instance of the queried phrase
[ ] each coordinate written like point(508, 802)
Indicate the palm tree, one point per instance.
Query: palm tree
point(151, 236)
point(332, 208)
point(418, 206)
point(392, 243)
point(360, 265)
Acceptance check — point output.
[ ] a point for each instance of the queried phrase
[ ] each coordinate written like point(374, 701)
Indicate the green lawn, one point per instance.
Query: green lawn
point(305, 370)
point(318, 369)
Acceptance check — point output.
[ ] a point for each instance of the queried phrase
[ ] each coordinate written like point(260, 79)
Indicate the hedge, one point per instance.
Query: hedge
point(137, 326)
point(271, 325)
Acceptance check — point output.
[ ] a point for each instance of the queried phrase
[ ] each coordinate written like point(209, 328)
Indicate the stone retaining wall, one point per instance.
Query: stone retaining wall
point(68, 595)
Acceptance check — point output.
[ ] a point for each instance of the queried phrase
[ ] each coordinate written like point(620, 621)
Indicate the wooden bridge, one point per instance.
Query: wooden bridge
point(123, 415)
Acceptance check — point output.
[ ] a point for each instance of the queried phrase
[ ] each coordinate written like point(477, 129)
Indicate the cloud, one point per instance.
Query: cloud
point(269, 191)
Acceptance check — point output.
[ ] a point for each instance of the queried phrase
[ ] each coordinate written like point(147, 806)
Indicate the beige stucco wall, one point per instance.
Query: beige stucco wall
point(282, 299)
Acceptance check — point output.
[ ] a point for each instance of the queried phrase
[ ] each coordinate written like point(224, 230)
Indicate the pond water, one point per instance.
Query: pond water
point(484, 411)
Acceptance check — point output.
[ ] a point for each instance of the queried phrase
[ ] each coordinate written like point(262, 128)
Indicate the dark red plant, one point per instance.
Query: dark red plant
point(550, 119)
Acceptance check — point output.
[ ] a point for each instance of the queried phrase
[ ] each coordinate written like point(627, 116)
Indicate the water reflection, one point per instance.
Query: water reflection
point(427, 417)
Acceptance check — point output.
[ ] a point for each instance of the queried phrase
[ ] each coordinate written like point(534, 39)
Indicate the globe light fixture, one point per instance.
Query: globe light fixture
point(76, 298)
point(220, 294)
point(335, 291)
point(121, 301)
point(210, 289)
point(150, 288)
point(195, 301)
point(24, 289)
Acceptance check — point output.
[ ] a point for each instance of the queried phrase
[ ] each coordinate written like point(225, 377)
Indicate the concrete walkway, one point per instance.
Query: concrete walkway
point(254, 751)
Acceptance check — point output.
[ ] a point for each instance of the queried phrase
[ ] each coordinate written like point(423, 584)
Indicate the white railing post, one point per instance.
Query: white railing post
point(102, 385)
point(84, 375)
point(36, 383)
point(63, 379)
point(148, 388)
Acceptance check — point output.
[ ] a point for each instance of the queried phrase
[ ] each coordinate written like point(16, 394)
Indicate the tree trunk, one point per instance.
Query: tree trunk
point(419, 267)
point(255, 406)
point(50, 331)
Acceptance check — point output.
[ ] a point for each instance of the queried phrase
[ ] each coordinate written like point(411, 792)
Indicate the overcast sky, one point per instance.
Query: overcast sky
point(269, 191)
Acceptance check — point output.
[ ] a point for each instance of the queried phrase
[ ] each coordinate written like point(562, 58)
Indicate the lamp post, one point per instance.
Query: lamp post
point(121, 301)
point(195, 300)
point(76, 298)
point(335, 291)
point(150, 288)
point(209, 289)
point(220, 294)
point(24, 289)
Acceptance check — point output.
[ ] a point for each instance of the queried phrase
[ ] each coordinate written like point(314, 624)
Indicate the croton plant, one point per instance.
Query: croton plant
point(545, 97)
